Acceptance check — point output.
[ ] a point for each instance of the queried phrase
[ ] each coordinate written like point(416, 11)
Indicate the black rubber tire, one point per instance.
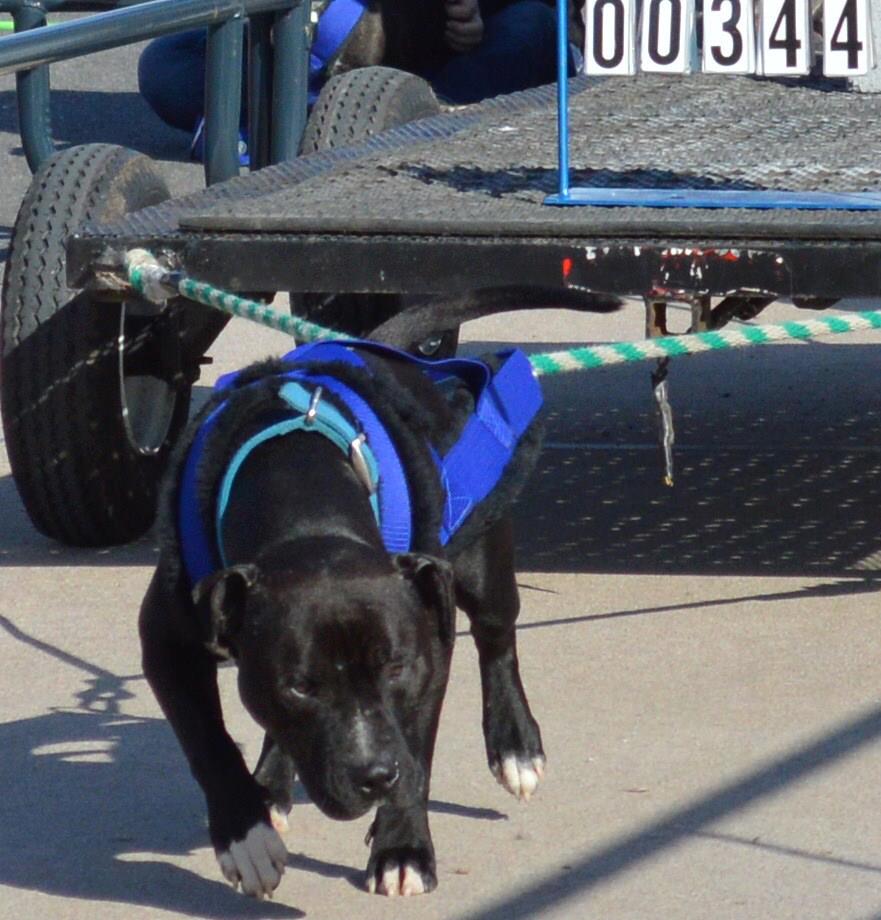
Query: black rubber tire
point(360, 103)
point(352, 107)
point(88, 432)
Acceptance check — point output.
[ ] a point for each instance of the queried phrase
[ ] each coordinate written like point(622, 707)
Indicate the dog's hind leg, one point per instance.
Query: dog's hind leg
point(276, 774)
point(486, 589)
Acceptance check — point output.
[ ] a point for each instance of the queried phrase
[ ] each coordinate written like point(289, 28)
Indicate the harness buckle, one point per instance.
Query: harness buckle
point(359, 464)
point(312, 411)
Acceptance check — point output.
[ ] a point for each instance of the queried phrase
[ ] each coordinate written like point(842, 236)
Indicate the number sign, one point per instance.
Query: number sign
point(609, 37)
point(729, 36)
point(667, 38)
point(847, 43)
point(667, 42)
point(785, 36)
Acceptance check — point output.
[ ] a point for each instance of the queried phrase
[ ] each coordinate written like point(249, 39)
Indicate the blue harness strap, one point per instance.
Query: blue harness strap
point(506, 402)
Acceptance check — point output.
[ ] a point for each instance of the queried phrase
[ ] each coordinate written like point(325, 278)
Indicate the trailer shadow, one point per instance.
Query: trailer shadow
point(87, 117)
point(695, 818)
point(777, 471)
point(777, 468)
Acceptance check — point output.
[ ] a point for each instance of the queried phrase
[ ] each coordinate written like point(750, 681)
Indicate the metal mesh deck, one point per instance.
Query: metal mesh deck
point(698, 131)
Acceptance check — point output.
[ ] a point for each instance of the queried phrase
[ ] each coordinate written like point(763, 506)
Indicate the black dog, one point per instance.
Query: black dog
point(343, 648)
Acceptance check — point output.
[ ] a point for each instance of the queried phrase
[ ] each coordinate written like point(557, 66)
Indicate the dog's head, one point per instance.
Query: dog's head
point(340, 669)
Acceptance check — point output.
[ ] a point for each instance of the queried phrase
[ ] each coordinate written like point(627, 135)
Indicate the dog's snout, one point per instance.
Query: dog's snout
point(377, 778)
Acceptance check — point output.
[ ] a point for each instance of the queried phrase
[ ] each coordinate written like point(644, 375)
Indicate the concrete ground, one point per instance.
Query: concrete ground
point(704, 660)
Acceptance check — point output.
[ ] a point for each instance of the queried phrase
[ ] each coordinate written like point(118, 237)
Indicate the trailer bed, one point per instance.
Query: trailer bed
point(456, 202)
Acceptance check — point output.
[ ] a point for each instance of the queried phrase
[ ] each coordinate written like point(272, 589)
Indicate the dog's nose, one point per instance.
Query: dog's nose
point(377, 778)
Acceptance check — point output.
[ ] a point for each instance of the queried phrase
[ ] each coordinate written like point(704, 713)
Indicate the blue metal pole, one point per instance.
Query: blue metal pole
point(563, 97)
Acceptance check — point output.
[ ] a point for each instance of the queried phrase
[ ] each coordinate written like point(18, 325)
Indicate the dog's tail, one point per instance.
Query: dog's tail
point(439, 315)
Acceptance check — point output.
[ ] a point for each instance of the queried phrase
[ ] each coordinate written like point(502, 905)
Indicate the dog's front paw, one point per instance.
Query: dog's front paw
point(520, 776)
point(403, 871)
point(279, 818)
point(256, 862)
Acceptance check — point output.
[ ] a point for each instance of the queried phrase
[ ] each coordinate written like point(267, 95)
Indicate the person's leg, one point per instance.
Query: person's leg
point(518, 51)
point(171, 77)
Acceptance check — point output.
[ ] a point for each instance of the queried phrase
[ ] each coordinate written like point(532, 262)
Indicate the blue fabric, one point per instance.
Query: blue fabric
point(518, 51)
point(335, 25)
point(475, 464)
point(506, 402)
point(198, 549)
point(395, 515)
point(328, 422)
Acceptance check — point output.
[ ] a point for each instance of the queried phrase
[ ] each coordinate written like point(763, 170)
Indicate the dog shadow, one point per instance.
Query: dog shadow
point(100, 806)
point(88, 817)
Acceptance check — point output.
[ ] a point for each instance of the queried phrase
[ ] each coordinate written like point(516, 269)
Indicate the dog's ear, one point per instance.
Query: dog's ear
point(220, 600)
point(433, 579)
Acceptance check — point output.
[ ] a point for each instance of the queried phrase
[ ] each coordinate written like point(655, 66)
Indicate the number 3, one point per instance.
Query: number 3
point(730, 26)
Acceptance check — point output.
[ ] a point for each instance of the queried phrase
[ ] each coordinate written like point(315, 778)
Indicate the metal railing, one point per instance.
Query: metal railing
point(278, 50)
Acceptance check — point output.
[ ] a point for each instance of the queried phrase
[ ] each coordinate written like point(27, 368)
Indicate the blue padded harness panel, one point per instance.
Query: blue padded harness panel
point(506, 402)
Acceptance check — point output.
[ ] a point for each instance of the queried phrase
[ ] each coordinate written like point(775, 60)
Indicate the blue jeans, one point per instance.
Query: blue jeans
point(518, 51)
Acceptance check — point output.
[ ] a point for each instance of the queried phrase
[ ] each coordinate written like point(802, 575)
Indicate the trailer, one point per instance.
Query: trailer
point(738, 191)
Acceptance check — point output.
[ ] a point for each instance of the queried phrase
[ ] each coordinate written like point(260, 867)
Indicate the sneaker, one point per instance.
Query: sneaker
point(197, 145)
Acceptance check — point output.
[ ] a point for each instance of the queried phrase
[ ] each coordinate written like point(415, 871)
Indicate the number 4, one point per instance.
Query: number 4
point(846, 40)
point(785, 36)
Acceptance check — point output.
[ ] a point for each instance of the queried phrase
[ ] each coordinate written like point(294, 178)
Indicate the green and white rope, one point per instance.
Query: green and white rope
point(156, 283)
point(675, 346)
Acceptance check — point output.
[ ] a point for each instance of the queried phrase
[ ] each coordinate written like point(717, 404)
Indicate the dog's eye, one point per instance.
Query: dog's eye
point(302, 687)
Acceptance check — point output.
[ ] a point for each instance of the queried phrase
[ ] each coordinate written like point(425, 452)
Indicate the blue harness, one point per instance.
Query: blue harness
point(506, 402)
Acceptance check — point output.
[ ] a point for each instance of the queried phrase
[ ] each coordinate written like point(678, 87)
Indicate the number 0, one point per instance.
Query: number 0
point(654, 49)
point(618, 33)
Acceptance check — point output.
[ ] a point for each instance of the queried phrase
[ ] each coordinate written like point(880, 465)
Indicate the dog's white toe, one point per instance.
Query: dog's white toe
point(406, 881)
point(256, 863)
point(279, 819)
point(520, 777)
point(411, 882)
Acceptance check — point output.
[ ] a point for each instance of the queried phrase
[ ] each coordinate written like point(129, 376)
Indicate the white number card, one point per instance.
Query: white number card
point(847, 40)
point(785, 30)
point(729, 36)
point(771, 37)
point(610, 37)
point(667, 42)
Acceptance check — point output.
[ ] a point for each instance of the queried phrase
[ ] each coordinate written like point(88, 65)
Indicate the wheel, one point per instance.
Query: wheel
point(92, 393)
point(360, 103)
point(352, 107)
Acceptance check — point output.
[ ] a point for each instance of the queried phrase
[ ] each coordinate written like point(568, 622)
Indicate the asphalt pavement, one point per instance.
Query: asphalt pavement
point(703, 659)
